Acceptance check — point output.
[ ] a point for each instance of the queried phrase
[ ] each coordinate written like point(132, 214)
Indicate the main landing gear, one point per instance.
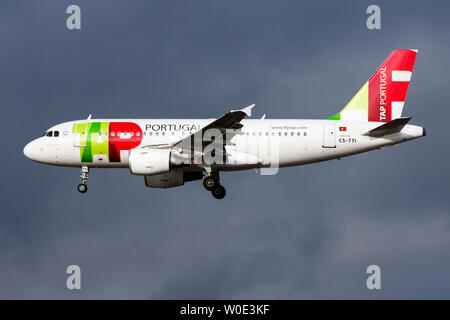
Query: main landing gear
point(82, 187)
point(212, 183)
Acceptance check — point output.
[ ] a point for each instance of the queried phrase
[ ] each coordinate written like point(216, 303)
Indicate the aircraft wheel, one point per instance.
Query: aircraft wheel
point(82, 188)
point(219, 192)
point(209, 183)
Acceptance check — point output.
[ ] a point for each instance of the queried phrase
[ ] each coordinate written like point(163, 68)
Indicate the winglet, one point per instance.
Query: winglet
point(247, 110)
point(263, 117)
point(89, 117)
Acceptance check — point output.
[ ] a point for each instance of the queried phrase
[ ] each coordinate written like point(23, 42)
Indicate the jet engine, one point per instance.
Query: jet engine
point(149, 161)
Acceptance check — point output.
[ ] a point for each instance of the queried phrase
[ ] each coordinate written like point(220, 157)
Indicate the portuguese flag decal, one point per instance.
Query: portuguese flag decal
point(342, 128)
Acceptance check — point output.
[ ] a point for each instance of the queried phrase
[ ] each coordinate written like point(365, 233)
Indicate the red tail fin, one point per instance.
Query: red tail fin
point(381, 98)
point(389, 85)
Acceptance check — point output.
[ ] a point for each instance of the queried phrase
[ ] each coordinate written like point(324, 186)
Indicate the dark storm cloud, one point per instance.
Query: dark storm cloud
point(307, 232)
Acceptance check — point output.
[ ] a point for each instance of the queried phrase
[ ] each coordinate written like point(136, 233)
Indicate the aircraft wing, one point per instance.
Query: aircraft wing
point(230, 120)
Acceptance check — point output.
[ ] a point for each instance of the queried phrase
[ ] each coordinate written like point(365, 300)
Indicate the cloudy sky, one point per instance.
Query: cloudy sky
point(307, 232)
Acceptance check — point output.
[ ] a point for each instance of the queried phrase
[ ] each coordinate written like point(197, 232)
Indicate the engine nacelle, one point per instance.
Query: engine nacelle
point(173, 178)
point(149, 161)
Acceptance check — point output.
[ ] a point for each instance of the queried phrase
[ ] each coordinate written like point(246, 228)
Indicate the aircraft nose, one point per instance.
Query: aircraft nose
point(30, 150)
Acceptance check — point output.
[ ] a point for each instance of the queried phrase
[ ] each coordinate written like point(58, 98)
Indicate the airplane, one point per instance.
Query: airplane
point(171, 152)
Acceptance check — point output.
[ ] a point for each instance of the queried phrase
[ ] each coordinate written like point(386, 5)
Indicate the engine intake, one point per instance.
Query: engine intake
point(149, 162)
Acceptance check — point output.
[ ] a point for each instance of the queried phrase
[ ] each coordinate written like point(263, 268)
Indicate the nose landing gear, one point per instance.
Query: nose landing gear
point(82, 187)
point(212, 183)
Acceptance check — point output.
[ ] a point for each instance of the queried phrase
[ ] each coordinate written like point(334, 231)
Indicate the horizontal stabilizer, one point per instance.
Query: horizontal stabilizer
point(390, 127)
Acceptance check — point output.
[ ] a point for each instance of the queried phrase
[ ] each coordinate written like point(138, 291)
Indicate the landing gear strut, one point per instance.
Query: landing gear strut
point(212, 183)
point(82, 187)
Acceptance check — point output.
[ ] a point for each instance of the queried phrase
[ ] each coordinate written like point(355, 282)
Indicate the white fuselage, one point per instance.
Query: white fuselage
point(260, 143)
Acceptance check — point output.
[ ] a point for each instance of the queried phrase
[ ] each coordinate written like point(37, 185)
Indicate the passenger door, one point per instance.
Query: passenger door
point(329, 135)
point(80, 134)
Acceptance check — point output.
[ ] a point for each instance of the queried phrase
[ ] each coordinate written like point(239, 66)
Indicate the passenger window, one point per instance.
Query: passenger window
point(112, 134)
point(138, 134)
point(56, 134)
point(49, 134)
point(292, 133)
point(279, 133)
point(304, 133)
point(298, 133)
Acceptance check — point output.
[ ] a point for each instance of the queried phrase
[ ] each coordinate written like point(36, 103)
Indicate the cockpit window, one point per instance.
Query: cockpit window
point(51, 134)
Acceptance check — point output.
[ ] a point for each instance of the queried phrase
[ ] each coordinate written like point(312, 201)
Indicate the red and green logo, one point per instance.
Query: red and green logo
point(100, 140)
